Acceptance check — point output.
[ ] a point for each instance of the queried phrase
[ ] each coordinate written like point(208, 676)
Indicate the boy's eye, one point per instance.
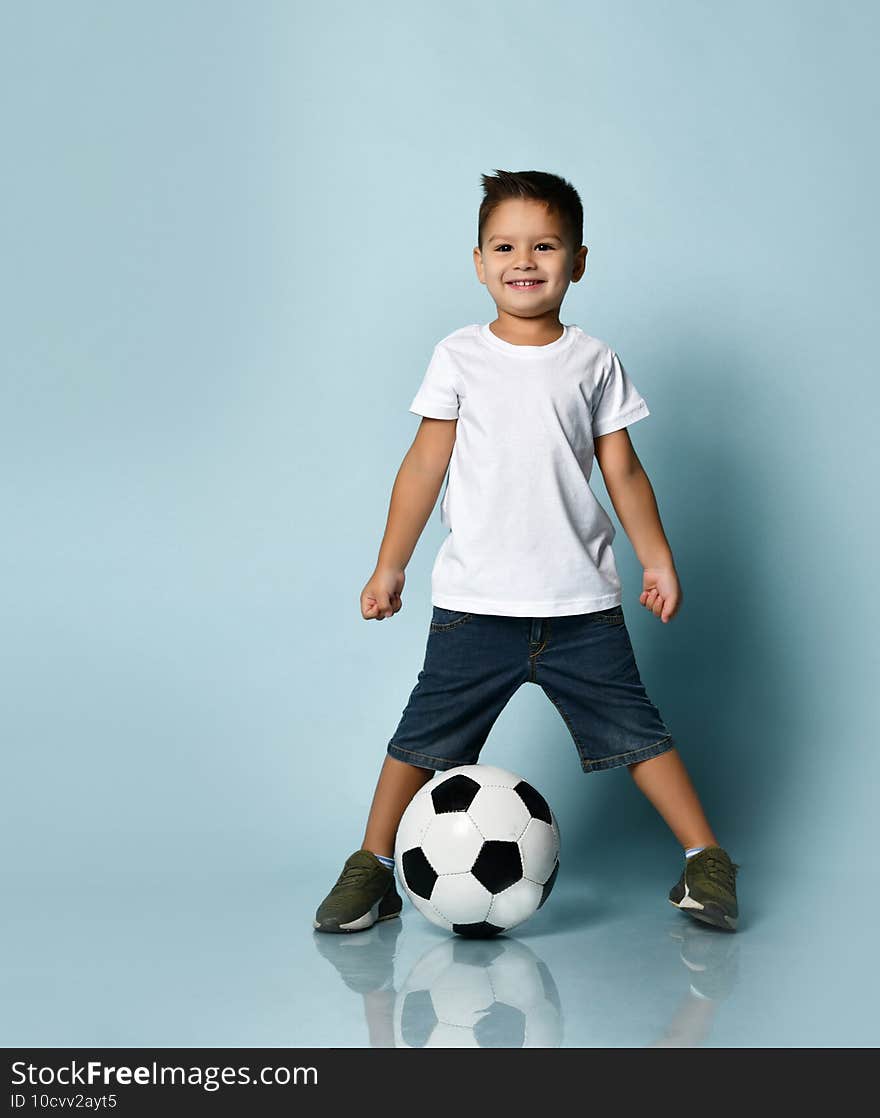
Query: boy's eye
point(543, 244)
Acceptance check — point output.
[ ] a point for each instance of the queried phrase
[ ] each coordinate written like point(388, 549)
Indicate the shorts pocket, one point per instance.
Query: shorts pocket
point(443, 619)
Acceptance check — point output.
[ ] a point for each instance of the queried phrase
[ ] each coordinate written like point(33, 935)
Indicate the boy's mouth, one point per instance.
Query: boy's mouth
point(523, 285)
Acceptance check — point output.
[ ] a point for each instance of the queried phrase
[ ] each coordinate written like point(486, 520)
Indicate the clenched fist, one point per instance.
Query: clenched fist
point(662, 594)
point(380, 598)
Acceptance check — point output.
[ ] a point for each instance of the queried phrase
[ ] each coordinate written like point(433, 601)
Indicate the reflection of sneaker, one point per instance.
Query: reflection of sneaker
point(706, 889)
point(712, 961)
point(366, 962)
point(364, 893)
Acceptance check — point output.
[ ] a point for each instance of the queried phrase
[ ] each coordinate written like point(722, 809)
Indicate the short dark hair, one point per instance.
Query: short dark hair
point(559, 195)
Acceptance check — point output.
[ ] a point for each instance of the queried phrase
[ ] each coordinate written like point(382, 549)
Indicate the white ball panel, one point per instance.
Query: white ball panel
point(452, 842)
point(428, 910)
point(516, 980)
point(461, 899)
point(539, 848)
point(499, 814)
point(452, 1036)
point(515, 904)
point(462, 994)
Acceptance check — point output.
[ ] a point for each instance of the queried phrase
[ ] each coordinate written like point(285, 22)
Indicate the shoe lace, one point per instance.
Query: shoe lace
point(352, 875)
point(721, 869)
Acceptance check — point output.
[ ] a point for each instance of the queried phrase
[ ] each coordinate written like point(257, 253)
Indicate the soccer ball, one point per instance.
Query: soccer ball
point(477, 850)
point(478, 994)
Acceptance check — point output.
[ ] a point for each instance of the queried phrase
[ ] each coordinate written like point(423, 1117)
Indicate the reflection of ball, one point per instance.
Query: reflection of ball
point(477, 850)
point(478, 994)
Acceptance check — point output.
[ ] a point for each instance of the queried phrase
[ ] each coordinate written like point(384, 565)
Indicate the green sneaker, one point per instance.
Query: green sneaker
point(364, 893)
point(706, 889)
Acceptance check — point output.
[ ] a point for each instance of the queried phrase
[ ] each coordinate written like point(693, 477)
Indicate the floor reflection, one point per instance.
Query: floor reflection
point(493, 993)
point(711, 958)
point(461, 993)
point(498, 993)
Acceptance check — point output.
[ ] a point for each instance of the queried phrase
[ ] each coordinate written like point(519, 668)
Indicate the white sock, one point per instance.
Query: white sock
point(389, 862)
point(691, 851)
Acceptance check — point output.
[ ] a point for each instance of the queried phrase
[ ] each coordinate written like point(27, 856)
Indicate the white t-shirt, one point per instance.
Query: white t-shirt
point(527, 537)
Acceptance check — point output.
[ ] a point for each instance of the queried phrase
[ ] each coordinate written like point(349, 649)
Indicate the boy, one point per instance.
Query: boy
point(524, 587)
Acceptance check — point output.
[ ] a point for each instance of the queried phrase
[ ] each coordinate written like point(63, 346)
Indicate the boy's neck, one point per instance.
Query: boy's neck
point(542, 330)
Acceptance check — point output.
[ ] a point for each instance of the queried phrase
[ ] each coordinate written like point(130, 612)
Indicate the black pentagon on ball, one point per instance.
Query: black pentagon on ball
point(418, 872)
point(498, 865)
point(548, 884)
point(503, 1026)
point(418, 1018)
point(477, 931)
point(534, 801)
point(455, 794)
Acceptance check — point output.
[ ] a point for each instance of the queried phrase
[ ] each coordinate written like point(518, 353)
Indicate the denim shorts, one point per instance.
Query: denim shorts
point(475, 662)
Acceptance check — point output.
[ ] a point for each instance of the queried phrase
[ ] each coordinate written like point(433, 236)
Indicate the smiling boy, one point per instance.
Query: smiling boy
point(525, 587)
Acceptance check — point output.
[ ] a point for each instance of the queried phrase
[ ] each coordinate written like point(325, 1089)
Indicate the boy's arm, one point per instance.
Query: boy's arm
point(633, 498)
point(415, 490)
point(413, 496)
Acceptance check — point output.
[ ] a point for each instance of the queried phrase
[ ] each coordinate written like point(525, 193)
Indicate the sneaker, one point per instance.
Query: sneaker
point(364, 893)
point(706, 889)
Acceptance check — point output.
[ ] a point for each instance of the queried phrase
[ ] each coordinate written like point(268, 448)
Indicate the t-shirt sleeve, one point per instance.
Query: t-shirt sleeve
point(618, 402)
point(437, 397)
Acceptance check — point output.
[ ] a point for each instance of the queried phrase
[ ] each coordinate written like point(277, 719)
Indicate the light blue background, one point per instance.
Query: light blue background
point(231, 235)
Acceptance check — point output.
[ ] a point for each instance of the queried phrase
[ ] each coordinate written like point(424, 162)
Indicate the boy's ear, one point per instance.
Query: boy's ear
point(478, 264)
point(580, 263)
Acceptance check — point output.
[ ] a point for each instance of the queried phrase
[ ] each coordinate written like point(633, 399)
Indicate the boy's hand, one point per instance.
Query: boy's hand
point(662, 594)
point(380, 598)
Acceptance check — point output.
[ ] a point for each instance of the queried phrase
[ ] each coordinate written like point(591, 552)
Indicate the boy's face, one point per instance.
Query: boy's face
point(522, 240)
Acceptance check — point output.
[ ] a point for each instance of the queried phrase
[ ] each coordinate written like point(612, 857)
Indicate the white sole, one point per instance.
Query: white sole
point(695, 909)
point(366, 921)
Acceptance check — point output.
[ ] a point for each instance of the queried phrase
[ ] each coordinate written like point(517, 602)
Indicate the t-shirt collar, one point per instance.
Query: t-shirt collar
point(549, 350)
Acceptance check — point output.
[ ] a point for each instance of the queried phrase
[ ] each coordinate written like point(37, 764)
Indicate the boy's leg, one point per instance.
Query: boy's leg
point(398, 783)
point(665, 782)
point(707, 886)
point(586, 665)
point(365, 891)
point(473, 664)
